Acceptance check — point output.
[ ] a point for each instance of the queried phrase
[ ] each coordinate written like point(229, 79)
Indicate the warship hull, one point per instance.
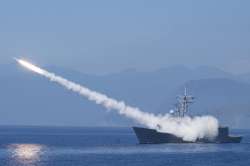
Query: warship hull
point(151, 136)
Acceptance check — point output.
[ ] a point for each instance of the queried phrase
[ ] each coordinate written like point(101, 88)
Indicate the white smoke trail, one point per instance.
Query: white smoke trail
point(189, 129)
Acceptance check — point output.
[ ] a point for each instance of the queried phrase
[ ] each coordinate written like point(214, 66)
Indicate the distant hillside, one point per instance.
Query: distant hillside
point(244, 77)
point(27, 98)
point(226, 99)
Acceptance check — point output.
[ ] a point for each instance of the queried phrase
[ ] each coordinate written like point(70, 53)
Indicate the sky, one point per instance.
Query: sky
point(113, 35)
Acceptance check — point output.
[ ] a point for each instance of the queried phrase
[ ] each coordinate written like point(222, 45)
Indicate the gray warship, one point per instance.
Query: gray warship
point(152, 136)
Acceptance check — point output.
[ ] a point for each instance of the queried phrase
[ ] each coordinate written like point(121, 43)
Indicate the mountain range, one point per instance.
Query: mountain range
point(29, 99)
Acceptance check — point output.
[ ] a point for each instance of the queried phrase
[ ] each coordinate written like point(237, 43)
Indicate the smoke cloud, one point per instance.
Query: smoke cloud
point(188, 128)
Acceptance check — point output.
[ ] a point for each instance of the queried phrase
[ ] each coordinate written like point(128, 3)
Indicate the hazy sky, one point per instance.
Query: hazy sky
point(109, 36)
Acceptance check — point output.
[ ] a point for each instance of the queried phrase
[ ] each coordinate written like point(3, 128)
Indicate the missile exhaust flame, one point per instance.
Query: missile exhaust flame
point(189, 129)
point(30, 66)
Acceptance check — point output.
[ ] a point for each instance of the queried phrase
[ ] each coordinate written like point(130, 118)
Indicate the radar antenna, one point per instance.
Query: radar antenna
point(183, 103)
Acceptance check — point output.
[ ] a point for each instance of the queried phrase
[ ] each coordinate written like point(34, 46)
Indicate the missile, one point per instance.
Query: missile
point(29, 66)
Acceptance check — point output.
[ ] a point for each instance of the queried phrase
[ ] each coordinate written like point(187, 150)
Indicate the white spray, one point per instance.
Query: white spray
point(188, 128)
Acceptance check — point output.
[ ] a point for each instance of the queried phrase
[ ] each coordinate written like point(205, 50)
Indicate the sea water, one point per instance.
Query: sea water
point(99, 146)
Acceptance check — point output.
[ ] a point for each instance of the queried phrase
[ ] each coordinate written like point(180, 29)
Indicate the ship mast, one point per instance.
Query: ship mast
point(183, 103)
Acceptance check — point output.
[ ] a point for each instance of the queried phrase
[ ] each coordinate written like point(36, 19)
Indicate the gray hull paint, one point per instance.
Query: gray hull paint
point(150, 136)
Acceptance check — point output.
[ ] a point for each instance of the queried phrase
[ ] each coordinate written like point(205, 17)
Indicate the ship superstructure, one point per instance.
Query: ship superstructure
point(151, 136)
point(181, 107)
